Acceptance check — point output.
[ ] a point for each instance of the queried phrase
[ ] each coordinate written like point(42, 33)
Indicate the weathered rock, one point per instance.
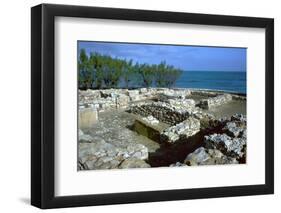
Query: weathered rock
point(93, 151)
point(108, 93)
point(85, 138)
point(215, 101)
point(226, 144)
point(137, 151)
point(239, 117)
point(233, 130)
point(162, 111)
point(101, 163)
point(89, 94)
point(199, 156)
point(122, 100)
point(143, 90)
point(237, 146)
point(107, 146)
point(151, 120)
point(208, 121)
point(204, 93)
point(217, 141)
point(175, 93)
point(134, 95)
point(106, 104)
point(102, 155)
point(184, 103)
point(182, 130)
point(106, 99)
point(202, 156)
point(87, 117)
point(133, 163)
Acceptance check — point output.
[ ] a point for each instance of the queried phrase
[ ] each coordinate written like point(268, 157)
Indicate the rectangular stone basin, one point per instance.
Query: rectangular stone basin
point(148, 130)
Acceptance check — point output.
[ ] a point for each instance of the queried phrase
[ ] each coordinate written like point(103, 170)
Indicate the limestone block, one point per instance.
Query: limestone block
point(215, 101)
point(87, 117)
point(181, 130)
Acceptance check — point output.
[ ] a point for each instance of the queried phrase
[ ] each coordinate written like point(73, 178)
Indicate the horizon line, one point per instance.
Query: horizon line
point(214, 70)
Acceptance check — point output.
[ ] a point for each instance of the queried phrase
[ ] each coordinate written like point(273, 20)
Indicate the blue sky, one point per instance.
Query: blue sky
point(187, 58)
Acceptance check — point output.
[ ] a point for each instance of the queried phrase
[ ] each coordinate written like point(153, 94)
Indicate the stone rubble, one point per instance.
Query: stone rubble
point(84, 137)
point(205, 93)
point(108, 99)
point(224, 143)
point(151, 120)
point(239, 117)
point(203, 156)
point(233, 129)
point(183, 103)
point(215, 101)
point(133, 163)
point(224, 139)
point(181, 130)
point(233, 141)
point(225, 148)
point(162, 111)
point(99, 154)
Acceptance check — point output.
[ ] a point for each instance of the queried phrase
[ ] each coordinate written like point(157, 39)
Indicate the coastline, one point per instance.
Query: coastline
point(173, 88)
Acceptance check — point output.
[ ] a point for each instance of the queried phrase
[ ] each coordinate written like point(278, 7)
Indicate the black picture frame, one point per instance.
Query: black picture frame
point(43, 102)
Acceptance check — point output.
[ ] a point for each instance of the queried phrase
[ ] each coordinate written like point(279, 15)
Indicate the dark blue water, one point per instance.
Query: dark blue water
point(227, 81)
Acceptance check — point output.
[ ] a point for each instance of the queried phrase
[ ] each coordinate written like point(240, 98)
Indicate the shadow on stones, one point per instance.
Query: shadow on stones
point(131, 127)
point(169, 154)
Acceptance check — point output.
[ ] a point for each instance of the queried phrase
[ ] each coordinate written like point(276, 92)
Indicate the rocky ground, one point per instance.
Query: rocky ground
point(141, 128)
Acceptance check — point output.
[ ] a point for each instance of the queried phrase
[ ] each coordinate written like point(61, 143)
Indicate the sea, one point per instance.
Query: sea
point(213, 80)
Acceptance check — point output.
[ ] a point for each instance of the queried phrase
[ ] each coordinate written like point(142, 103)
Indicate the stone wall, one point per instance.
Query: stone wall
point(162, 111)
point(143, 127)
point(181, 115)
point(204, 93)
point(215, 101)
point(173, 106)
point(107, 99)
point(226, 147)
point(183, 130)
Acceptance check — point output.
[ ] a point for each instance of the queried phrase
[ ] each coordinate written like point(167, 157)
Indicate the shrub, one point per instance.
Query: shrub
point(98, 71)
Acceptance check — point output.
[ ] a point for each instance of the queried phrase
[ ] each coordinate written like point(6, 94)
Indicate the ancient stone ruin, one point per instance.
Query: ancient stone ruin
point(181, 121)
point(182, 130)
point(215, 101)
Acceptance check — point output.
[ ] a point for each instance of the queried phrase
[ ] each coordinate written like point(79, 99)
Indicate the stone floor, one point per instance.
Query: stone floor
point(229, 109)
point(116, 127)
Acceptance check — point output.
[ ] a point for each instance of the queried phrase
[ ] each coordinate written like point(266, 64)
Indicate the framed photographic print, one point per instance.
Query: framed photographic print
point(140, 106)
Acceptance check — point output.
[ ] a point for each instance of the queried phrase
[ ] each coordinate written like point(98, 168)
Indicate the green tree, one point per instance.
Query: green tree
point(161, 72)
point(112, 71)
point(147, 74)
point(96, 66)
point(85, 73)
point(128, 72)
point(98, 71)
point(166, 75)
point(172, 74)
